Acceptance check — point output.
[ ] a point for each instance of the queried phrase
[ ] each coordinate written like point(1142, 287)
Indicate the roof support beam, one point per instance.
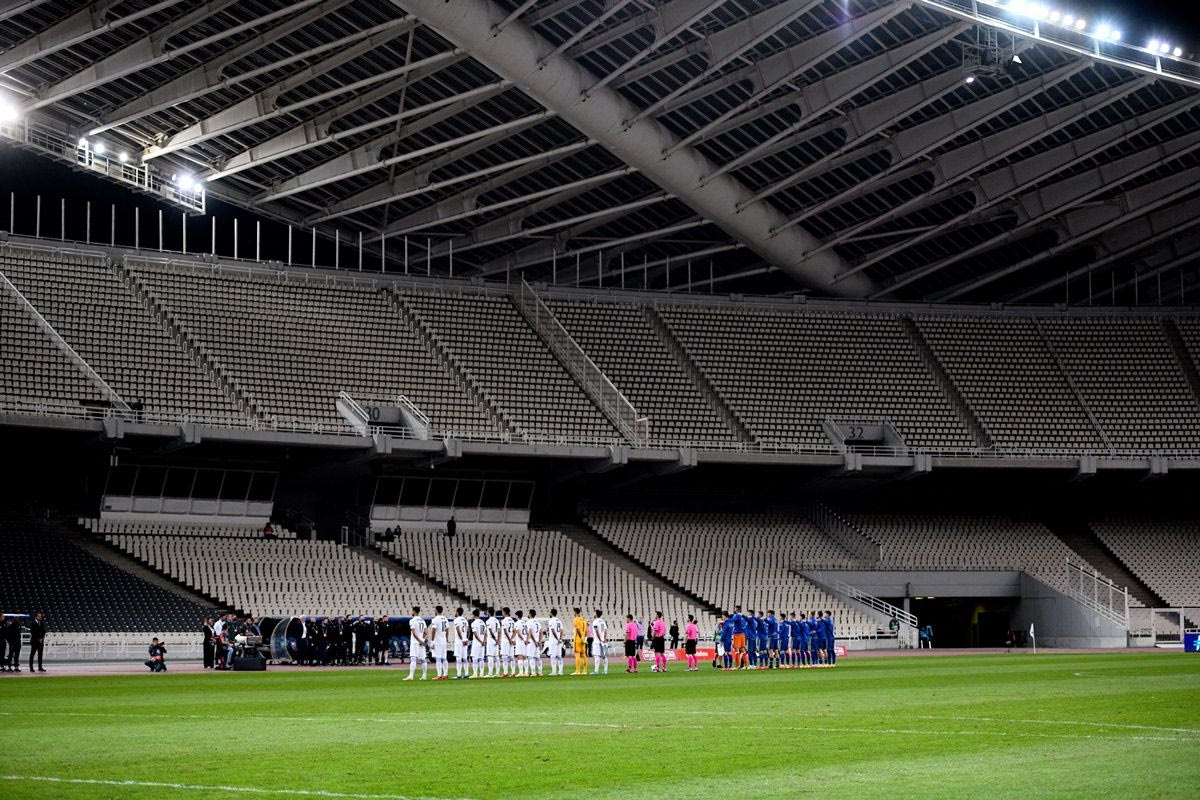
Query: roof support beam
point(319, 131)
point(152, 50)
point(668, 20)
point(84, 24)
point(727, 44)
point(995, 187)
point(1054, 200)
point(212, 76)
point(774, 72)
point(11, 8)
point(817, 98)
point(914, 143)
point(419, 180)
point(1177, 252)
point(1124, 242)
point(559, 84)
point(1080, 224)
point(611, 7)
point(370, 156)
point(265, 105)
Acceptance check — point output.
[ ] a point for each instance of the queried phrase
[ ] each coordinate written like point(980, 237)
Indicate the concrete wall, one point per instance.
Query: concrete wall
point(1060, 621)
point(934, 583)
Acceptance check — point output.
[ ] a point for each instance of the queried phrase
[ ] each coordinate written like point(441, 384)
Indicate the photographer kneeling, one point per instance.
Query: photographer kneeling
point(158, 656)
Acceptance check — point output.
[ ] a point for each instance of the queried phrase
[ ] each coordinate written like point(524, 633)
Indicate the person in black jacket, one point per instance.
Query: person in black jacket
point(13, 634)
point(37, 640)
point(209, 651)
point(3, 643)
point(674, 634)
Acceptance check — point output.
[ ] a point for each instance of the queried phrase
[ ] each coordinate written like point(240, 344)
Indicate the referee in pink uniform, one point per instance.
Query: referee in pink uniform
point(691, 638)
point(658, 642)
point(631, 635)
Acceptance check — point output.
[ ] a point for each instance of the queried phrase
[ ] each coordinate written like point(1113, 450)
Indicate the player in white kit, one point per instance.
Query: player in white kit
point(440, 627)
point(533, 653)
point(508, 641)
point(462, 645)
point(493, 642)
point(522, 647)
point(554, 638)
point(478, 643)
point(600, 643)
point(416, 645)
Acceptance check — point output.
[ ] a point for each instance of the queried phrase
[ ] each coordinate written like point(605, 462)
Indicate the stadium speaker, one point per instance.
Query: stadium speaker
point(249, 664)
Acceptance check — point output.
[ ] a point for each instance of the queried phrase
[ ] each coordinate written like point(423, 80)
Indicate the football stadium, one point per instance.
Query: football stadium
point(489, 399)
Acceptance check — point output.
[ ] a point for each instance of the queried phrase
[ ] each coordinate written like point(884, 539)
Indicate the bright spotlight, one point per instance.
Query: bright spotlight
point(99, 148)
point(1164, 48)
point(1177, 52)
point(1018, 6)
point(1103, 32)
point(1055, 16)
point(1068, 20)
point(970, 79)
point(1115, 36)
point(1080, 24)
point(123, 157)
point(9, 111)
point(83, 142)
point(1153, 44)
point(187, 183)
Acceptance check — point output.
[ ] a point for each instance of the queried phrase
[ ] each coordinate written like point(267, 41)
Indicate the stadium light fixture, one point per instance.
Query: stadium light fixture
point(83, 142)
point(99, 148)
point(970, 79)
point(1177, 52)
point(186, 183)
point(1080, 23)
point(123, 157)
point(1164, 48)
point(9, 112)
point(1103, 31)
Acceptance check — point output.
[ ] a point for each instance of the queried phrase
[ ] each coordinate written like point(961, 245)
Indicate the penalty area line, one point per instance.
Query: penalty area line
point(211, 788)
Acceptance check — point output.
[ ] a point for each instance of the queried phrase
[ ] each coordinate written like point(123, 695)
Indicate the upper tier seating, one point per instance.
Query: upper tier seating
point(89, 307)
point(621, 341)
point(510, 362)
point(1123, 365)
point(953, 542)
point(784, 372)
point(1165, 554)
point(1001, 367)
point(32, 368)
point(283, 577)
point(735, 559)
point(294, 346)
point(42, 571)
point(184, 529)
point(539, 570)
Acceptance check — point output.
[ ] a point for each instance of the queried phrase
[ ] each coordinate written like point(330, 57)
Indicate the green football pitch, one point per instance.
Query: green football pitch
point(1119, 725)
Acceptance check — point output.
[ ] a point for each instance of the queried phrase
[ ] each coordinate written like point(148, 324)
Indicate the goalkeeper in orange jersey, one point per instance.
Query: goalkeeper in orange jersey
point(580, 640)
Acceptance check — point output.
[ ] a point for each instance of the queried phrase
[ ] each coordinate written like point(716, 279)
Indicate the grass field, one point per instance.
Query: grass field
point(1116, 725)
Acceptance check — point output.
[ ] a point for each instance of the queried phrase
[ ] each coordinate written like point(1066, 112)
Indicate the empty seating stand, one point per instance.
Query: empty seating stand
point(621, 341)
point(43, 571)
point(1128, 376)
point(539, 570)
point(784, 372)
point(1002, 368)
point(1164, 554)
point(735, 559)
point(83, 299)
point(281, 577)
point(497, 347)
point(293, 345)
point(33, 370)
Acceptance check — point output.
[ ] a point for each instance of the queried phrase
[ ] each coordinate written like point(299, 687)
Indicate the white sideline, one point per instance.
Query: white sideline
point(209, 788)
point(400, 717)
point(1001, 734)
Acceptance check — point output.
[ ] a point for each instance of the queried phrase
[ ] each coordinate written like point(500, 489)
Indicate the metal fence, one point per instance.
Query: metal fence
point(1098, 593)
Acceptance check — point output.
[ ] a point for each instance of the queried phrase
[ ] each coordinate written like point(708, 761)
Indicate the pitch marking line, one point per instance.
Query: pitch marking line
point(268, 718)
point(1084, 723)
point(1002, 734)
point(208, 788)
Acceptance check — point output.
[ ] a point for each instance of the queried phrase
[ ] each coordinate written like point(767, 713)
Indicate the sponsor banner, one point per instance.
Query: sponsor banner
point(679, 654)
point(1191, 642)
point(839, 650)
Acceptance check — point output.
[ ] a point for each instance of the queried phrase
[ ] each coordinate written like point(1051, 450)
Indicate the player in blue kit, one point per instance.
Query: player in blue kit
point(737, 626)
point(751, 640)
point(794, 624)
point(804, 639)
point(817, 632)
point(830, 657)
point(785, 641)
point(772, 640)
point(764, 650)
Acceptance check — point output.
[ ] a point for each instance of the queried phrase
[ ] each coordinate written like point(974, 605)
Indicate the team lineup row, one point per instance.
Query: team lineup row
point(507, 644)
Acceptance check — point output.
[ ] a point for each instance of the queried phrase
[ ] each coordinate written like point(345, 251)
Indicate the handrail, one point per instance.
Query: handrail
point(907, 620)
point(1104, 597)
point(110, 394)
point(612, 401)
point(858, 542)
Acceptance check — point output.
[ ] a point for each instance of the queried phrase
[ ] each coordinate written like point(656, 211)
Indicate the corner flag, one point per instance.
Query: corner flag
point(1033, 637)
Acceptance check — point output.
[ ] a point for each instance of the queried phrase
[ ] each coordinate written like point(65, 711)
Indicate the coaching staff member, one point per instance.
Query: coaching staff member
point(37, 640)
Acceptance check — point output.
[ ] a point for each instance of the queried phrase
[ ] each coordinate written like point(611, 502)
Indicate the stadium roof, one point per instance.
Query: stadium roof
point(927, 150)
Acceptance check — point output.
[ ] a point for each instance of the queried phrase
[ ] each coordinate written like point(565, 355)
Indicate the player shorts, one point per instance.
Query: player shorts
point(416, 649)
point(439, 651)
point(492, 649)
point(506, 649)
point(724, 647)
point(580, 646)
point(659, 644)
point(478, 651)
point(739, 641)
point(532, 650)
point(555, 650)
point(460, 651)
point(773, 643)
point(630, 648)
point(762, 643)
point(689, 647)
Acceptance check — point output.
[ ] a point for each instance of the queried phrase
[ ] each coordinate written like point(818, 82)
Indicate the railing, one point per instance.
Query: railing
point(1094, 591)
point(80, 154)
point(110, 394)
point(595, 383)
point(907, 633)
point(1162, 626)
point(858, 543)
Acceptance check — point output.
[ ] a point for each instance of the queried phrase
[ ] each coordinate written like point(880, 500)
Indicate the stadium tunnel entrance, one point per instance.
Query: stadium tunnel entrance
point(967, 621)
